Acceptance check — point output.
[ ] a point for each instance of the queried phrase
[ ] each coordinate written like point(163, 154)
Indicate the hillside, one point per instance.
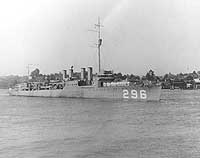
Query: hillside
point(9, 81)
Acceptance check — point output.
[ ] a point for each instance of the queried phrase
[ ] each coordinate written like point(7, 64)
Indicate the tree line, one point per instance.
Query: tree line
point(166, 80)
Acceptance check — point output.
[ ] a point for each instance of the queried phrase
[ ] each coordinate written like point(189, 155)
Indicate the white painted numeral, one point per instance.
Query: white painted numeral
point(134, 94)
point(143, 94)
point(125, 94)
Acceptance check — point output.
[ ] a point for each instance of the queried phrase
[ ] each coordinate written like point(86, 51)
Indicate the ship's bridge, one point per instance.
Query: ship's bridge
point(104, 77)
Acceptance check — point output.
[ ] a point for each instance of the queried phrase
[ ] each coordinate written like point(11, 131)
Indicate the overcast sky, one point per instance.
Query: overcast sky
point(138, 35)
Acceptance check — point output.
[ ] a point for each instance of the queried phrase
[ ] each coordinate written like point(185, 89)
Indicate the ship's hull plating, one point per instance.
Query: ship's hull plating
point(134, 93)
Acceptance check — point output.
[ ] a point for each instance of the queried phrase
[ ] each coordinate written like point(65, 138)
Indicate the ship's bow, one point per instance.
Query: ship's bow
point(154, 93)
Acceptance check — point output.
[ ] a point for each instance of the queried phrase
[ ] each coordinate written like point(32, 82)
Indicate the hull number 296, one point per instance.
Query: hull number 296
point(134, 94)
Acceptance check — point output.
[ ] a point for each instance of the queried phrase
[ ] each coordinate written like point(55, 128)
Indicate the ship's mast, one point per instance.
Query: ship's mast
point(28, 68)
point(99, 42)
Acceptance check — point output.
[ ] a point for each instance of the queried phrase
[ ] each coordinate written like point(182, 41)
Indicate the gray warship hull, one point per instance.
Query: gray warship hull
point(132, 93)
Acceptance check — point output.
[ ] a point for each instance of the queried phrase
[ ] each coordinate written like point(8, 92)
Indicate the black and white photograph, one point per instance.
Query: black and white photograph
point(99, 79)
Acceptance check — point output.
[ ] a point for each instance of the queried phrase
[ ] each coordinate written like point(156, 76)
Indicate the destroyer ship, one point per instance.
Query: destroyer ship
point(98, 86)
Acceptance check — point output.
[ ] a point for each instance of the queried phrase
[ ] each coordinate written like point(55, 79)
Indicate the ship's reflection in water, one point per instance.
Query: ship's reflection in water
point(80, 128)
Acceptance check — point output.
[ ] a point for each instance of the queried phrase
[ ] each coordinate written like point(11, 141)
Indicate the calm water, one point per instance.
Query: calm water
point(75, 128)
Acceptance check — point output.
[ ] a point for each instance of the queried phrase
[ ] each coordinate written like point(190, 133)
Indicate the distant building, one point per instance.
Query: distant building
point(197, 83)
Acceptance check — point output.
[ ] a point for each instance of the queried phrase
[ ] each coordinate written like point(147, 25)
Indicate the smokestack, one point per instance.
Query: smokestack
point(82, 73)
point(64, 74)
point(71, 73)
point(90, 74)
